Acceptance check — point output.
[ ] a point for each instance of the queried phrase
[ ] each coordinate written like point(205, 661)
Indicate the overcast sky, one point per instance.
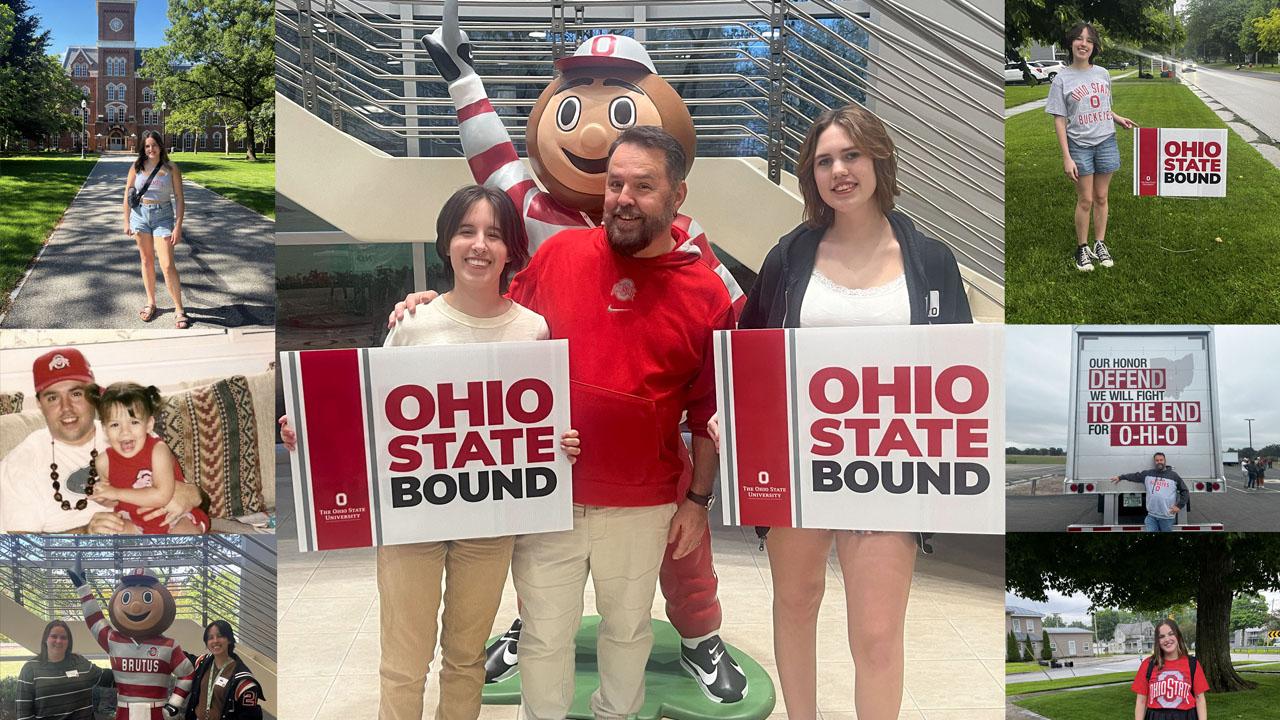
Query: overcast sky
point(1076, 607)
point(1038, 383)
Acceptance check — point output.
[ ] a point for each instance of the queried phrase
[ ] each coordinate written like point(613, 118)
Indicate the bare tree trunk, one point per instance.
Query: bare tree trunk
point(1213, 618)
point(250, 153)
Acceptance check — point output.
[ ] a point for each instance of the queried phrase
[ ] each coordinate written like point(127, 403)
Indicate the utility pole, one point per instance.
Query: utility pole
point(1250, 421)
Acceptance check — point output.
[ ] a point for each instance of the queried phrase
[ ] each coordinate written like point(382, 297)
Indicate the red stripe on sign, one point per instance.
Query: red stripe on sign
point(761, 427)
point(336, 452)
point(1148, 161)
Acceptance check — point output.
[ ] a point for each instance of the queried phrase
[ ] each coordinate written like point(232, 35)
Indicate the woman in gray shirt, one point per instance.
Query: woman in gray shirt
point(58, 684)
point(1080, 101)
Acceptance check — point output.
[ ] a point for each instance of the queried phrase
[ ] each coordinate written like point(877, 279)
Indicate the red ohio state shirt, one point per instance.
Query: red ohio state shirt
point(1171, 687)
point(640, 355)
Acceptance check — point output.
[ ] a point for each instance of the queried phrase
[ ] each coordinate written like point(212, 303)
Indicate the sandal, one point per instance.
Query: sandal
point(147, 313)
point(181, 322)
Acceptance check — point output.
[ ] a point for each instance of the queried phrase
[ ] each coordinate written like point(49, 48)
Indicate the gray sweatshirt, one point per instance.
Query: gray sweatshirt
point(1083, 97)
point(1164, 490)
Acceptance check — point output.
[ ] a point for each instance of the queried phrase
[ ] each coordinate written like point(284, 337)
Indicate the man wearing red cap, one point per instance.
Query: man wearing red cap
point(46, 481)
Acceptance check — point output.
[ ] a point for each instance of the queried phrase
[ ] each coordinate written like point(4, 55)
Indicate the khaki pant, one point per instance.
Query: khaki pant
point(621, 548)
point(409, 584)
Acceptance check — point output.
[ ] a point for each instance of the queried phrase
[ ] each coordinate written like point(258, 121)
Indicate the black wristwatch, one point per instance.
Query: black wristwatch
point(706, 501)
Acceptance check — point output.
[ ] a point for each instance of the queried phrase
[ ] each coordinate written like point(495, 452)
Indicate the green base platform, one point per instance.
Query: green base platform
point(669, 691)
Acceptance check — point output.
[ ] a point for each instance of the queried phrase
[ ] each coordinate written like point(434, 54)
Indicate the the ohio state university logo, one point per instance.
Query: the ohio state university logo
point(143, 480)
point(58, 362)
point(625, 290)
point(1170, 690)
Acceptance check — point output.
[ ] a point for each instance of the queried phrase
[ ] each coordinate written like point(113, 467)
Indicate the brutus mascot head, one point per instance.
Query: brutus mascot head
point(605, 87)
point(141, 607)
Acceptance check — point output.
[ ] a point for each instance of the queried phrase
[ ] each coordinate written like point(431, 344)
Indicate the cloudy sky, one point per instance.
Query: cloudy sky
point(1038, 383)
point(1076, 607)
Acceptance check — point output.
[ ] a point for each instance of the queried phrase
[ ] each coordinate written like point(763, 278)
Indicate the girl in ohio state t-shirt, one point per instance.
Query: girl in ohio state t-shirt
point(1165, 684)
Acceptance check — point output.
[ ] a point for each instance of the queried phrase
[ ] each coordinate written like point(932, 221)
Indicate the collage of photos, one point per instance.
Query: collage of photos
point(713, 360)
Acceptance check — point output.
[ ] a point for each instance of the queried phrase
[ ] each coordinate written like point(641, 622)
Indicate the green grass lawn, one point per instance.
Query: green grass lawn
point(1117, 702)
point(1012, 668)
point(1170, 268)
point(252, 184)
point(1035, 459)
point(1018, 94)
point(1062, 683)
point(34, 192)
point(1255, 68)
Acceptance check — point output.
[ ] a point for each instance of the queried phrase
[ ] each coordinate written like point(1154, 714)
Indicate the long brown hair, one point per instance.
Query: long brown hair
point(44, 640)
point(869, 134)
point(141, 162)
point(1157, 655)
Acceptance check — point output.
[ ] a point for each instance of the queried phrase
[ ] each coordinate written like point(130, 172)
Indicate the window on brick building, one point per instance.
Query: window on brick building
point(84, 90)
point(148, 95)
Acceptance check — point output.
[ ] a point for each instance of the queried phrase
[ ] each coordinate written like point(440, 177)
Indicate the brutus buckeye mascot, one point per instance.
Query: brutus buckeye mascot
point(608, 85)
point(142, 658)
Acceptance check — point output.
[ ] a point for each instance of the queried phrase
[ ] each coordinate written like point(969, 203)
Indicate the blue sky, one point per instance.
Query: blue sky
point(75, 22)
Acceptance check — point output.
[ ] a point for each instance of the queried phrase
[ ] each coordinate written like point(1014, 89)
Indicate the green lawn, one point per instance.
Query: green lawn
point(1255, 68)
point(252, 184)
point(1035, 459)
point(1018, 94)
point(1062, 683)
point(1012, 668)
point(34, 192)
point(1170, 267)
point(1114, 702)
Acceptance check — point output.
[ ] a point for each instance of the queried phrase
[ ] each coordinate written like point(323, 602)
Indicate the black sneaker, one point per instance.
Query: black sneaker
point(1084, 262)
point(1102, 254)
point(718, 676)
point(500, 660)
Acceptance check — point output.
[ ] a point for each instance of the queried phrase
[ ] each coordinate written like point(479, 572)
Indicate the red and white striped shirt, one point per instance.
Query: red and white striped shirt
point(494, 162)
point(142, 668)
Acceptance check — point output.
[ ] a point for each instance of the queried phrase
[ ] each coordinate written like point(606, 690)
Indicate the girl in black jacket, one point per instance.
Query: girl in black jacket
point(224, 688)
point(855, 261)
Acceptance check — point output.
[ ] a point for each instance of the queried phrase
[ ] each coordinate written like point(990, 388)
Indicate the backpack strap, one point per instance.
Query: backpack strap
point(1191, 663)
point(1150, 666)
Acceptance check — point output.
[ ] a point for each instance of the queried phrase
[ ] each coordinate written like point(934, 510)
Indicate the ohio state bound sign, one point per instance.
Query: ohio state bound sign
point(1180, 162)
point(873, 428)
point(444, 442)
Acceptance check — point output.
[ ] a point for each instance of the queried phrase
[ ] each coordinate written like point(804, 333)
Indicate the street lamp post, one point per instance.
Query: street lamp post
point(1250, 421)
point(83, 105)
point(164, 139)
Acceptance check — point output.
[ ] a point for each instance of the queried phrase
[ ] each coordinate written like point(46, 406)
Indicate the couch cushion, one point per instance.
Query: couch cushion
point(214, 432)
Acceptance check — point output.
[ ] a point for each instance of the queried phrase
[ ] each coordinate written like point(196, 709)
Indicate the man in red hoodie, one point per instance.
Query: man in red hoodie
point(638, 310)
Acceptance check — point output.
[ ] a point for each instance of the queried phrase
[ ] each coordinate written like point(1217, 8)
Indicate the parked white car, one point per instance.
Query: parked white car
point(1013, 73)
point(1050, 67)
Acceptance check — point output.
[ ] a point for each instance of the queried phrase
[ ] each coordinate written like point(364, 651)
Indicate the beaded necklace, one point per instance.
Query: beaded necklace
point(82, 503)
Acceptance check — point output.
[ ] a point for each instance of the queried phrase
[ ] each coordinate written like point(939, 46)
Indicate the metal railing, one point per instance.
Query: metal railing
point(753, 73)
point(228, 577)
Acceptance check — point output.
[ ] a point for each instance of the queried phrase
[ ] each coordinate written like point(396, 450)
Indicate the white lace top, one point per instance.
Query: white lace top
point(827, 304)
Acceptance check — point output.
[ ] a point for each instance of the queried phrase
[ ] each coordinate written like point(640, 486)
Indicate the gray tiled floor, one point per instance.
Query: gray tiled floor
point(954, 640)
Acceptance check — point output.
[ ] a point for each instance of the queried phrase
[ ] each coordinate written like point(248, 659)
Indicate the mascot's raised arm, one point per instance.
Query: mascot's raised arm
point(142, 659)
point(608, 85)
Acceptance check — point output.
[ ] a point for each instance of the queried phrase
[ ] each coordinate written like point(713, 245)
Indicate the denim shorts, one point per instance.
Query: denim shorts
point(1097, 160)
point(152, 219)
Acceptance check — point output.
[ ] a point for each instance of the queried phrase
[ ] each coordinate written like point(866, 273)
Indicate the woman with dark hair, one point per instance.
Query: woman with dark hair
point(1170, 684)
point(153, 210)
point(58, 684)
point(224, 687)
point(854, 261)
point(1080, 101)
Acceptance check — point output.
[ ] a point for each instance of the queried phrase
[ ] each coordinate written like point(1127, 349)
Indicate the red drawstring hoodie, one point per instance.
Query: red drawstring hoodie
point(639, 332)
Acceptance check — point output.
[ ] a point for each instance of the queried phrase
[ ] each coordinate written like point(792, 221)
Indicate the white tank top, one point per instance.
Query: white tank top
point(827, 304)
point(161, 187)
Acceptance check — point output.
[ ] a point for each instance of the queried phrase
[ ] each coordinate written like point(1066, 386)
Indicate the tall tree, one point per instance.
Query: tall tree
point(217, 50)
point(36, 96)
point(1248, 611)
point(1153, 572)
point(1046, 649)
point(1054, 620)
point(1011, 648)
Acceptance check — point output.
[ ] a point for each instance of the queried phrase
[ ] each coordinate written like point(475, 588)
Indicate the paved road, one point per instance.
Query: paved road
point(88, 274)
point(1238, 509)
point(1255, 97)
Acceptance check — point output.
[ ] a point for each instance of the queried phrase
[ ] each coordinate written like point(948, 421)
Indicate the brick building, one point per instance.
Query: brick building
point(120, 106)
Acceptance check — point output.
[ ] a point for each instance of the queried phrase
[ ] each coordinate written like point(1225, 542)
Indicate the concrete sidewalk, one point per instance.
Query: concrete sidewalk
point(87, 275)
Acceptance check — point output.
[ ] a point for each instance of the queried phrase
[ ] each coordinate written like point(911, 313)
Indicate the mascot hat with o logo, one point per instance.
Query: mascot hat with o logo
point(617, 50)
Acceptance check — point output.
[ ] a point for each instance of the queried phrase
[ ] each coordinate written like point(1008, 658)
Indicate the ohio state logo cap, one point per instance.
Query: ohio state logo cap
point(616, 50)
point(58, 365)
